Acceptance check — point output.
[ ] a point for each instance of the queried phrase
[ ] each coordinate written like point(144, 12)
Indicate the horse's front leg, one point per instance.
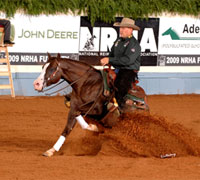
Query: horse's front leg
point(72, 119)
point(68, 128)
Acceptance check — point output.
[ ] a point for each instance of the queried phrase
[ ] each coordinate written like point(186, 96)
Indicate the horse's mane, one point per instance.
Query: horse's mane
point(79, 64)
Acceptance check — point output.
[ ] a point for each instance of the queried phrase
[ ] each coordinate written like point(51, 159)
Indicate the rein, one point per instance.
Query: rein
point(48, 94)
point(53, 86)
point(94, 103)
point(92, 106)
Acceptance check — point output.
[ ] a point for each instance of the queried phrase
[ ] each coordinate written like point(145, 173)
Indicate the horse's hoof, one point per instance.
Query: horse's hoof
point(49, 153)
point(93, 127)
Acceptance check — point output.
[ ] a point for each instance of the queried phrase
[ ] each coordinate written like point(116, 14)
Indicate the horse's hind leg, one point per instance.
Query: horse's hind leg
point(85, 125)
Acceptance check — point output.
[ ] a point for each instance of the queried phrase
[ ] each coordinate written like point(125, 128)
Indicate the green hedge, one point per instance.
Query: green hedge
point(104, 10)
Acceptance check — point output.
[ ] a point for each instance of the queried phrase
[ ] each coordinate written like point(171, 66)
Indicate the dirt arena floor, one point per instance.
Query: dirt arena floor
point(130, 150)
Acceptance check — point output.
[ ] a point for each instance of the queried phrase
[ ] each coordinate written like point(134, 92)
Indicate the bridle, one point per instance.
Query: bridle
point(70, 84)
point(54, 73)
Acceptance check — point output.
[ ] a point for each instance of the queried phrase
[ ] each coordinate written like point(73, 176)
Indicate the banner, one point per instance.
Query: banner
point(96, 41)
point(35, 36)
point(164, 41)
point(179, 42)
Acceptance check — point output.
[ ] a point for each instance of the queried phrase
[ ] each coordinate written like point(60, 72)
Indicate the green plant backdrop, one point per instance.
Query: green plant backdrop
point(104, 10)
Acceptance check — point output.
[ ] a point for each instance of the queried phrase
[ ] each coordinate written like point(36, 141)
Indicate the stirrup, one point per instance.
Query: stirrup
point(106, 93)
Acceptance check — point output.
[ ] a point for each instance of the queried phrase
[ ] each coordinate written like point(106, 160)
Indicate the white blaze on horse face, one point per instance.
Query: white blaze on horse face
point(39, 82)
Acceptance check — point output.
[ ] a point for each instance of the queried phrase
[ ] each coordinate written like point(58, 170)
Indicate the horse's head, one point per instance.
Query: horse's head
point(51, 73)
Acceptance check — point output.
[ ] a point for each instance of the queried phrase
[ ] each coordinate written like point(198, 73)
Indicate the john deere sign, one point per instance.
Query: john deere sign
point(35, 36)
point(49, 34)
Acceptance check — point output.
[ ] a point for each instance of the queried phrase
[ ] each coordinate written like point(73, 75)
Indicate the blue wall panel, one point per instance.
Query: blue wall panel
point(153, 83)
point(170, 83)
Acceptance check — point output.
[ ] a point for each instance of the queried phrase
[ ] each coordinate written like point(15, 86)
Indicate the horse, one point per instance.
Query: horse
point(87, 96)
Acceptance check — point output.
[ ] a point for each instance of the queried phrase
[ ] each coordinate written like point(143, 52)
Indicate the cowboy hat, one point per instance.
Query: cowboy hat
point(127, 22)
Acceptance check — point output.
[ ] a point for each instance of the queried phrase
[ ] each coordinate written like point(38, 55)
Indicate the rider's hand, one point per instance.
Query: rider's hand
point(104, 61)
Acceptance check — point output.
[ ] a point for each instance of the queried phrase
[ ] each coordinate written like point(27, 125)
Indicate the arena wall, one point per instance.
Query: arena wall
point(170, 65)
point(153, 83)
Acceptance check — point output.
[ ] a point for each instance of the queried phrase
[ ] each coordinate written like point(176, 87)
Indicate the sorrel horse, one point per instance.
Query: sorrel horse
point(87, 92)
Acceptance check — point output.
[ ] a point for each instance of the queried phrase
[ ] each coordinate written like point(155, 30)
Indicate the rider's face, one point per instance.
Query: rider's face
point(125, 32)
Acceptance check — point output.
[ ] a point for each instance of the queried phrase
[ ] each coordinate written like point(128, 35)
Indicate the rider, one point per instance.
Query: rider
point(125, 58)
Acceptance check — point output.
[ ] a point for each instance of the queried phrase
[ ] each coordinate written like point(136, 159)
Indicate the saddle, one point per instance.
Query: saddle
point(136, 96)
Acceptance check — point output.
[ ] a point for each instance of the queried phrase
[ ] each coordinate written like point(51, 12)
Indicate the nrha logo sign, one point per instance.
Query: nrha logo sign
point(99, 40)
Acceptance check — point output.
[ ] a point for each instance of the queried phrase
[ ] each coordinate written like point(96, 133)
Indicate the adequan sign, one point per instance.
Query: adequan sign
point(179, 44)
